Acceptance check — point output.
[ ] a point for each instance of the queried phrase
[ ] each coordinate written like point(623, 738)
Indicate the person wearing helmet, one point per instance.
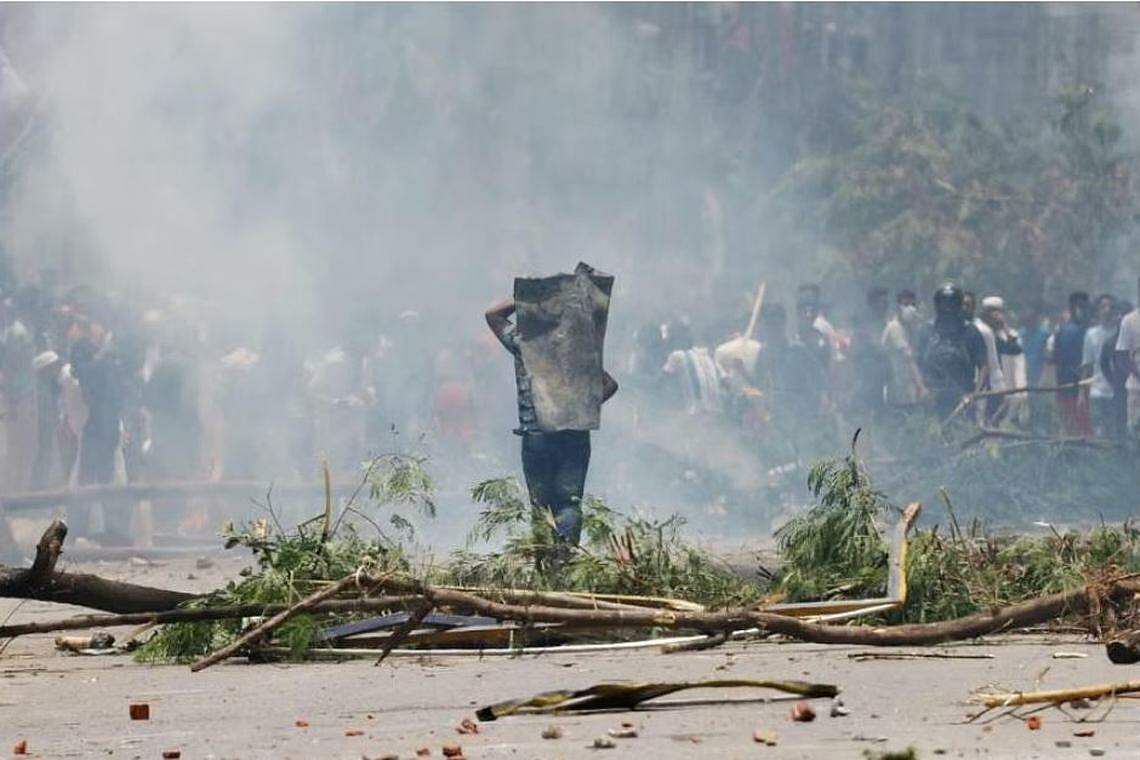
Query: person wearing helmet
point(952, 353)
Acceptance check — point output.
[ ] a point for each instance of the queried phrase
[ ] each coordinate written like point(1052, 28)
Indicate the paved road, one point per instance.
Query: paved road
point(67, 706)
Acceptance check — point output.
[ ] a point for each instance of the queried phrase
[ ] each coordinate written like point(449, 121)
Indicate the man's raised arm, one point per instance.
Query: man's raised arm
point(499, 316)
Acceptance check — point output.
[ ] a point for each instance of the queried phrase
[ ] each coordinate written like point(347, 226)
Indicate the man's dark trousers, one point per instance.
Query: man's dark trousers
point(555, 465)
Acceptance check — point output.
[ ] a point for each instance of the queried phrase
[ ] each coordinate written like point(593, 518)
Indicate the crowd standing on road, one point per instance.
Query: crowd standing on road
point(96, 389)
point(1069, 372)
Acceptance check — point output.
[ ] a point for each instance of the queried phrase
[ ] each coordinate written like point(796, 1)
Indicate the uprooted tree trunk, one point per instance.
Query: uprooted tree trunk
point(42, 582)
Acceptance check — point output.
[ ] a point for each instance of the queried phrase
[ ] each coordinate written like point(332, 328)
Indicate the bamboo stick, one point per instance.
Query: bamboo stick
point(1057, 696)
point(757, 304)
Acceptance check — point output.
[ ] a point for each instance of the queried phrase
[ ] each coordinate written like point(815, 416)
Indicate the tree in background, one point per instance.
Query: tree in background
point(1028, 207)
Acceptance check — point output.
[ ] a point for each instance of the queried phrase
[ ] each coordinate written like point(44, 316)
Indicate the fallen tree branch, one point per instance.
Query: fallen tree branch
point(1057, 696)
point(344, 653)
point(1017, 616)
point(970, 398)
point(197, 614)
point(284, 616)
point(576, 599)
point(47, 555)
point(42, 583)
point(971, 626)
point(860, 656)
point(627, 696)
point(411, 591)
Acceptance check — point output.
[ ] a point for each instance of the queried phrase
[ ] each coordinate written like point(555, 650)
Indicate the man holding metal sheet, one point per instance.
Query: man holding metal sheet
point(557, 343)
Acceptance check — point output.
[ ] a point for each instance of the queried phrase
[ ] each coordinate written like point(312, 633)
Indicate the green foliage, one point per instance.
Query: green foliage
point(953, 575)
point(836, 547)
point(186, 642)
point(620, 554)
point(401, 480)
point(505, 505)
point(289, 563)
point(925, 190)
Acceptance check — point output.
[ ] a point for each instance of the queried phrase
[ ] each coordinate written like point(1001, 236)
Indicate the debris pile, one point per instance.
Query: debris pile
point(323, 590)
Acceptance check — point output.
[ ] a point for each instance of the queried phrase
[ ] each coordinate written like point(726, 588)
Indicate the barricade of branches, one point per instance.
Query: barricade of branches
point(311, 586)
point(836, 550)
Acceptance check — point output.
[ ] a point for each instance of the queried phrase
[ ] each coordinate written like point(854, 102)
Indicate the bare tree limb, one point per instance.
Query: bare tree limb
point(194, 614)
point(41, 582)
point(1056, 696)
point(280, 618)
point(1027, 613)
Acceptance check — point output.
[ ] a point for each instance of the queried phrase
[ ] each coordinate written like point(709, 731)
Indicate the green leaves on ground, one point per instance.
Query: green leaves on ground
point(619, 554)
point(837, 550)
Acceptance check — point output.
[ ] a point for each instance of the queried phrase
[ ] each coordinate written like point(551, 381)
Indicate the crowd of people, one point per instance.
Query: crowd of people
point(96, 389)
point(1071, 372)
point(102, 388)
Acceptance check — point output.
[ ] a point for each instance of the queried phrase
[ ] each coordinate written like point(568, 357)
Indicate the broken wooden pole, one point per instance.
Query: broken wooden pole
point(1056, 696)
point(196, 614)
point(404, 629)
point(43, 583)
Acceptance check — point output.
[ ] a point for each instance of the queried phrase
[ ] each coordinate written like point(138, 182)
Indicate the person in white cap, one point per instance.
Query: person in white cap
point(1011, 358)
point(992, 378)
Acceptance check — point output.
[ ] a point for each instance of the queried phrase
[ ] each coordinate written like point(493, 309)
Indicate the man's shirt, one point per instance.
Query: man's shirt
point(1068, 350)
point(902, 389)
point(1094, 342)
point(993, 365)
point(528, 420)
point(700, 378)
point(1129, 340)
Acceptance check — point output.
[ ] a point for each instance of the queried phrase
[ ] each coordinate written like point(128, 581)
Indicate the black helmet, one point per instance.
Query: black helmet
point(948, 299)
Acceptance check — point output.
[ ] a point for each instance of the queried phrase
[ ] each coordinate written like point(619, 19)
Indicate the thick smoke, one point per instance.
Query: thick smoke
point(312, 169)
point(316, 171)
point(414, 157)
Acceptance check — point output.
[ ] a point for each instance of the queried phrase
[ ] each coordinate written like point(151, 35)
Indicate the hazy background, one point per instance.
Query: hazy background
point(313, 166)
